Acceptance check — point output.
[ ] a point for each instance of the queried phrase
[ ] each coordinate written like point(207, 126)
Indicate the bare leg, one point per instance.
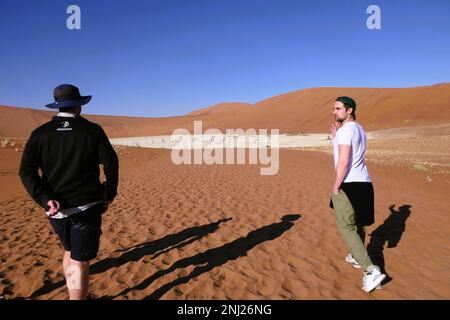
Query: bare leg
point(77, 278)
point(66, 263)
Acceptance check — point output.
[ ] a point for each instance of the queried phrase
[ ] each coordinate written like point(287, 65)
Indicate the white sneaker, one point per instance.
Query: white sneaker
point(349, 258)
point(373, 279)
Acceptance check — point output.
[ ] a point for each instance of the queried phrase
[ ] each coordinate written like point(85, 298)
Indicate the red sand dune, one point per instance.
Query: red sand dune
point(298, 111)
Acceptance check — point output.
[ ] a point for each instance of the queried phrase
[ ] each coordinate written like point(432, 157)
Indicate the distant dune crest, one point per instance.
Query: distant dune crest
point(302, 111)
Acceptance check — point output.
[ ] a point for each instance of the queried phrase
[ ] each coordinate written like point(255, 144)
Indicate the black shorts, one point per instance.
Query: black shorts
point(80, 233)
point(361, 196)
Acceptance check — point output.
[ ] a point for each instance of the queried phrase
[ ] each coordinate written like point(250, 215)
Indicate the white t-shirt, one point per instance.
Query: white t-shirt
point(353, 134)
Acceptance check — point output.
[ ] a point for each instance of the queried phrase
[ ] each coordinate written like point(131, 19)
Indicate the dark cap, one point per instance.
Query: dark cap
point(347, 101)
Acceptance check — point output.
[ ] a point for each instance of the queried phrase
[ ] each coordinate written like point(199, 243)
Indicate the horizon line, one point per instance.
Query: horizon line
point(250, 104)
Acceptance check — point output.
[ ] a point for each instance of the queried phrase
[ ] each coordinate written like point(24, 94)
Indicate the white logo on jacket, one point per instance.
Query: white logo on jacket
point(64, 126)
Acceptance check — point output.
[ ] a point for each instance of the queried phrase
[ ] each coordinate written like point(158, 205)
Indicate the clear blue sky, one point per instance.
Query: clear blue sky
point(167, 57)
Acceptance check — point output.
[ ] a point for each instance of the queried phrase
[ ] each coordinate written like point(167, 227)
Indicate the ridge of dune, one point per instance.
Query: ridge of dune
point(301, 111)
point(377, 108)
point(220, 108)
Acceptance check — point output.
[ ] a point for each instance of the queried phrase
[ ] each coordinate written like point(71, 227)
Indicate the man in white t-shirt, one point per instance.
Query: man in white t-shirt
point(352, 194)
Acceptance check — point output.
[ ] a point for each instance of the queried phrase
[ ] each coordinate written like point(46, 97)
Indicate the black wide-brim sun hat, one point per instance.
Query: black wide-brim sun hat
point(67, 95)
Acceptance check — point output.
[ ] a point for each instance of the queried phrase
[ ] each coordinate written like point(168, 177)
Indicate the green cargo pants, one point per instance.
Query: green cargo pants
point(345, 220)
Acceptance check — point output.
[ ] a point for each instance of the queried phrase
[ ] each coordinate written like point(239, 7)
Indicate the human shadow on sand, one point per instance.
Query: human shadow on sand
point(391, 232)
point(209, 259)
point(152, 248)
point(156, 247)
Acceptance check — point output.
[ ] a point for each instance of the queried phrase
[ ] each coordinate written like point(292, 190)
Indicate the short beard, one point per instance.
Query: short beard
point(340, 120)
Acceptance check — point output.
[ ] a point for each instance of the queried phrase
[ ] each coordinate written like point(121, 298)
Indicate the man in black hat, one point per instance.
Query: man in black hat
point(68, 150)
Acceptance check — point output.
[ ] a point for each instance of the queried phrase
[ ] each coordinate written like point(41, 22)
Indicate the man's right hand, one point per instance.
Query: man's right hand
point(334, 127)
point(54, 207)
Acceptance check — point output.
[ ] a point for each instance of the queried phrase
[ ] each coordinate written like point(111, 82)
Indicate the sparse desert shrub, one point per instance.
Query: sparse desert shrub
point(4, 142)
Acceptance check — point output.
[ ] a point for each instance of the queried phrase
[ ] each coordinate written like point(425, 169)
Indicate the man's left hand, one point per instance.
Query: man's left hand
point(334, 128)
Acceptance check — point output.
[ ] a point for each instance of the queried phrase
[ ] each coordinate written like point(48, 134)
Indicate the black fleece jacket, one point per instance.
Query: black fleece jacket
point(68, 152)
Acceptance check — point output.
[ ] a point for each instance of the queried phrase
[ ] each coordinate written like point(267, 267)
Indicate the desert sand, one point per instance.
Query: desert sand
point(227, 232)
